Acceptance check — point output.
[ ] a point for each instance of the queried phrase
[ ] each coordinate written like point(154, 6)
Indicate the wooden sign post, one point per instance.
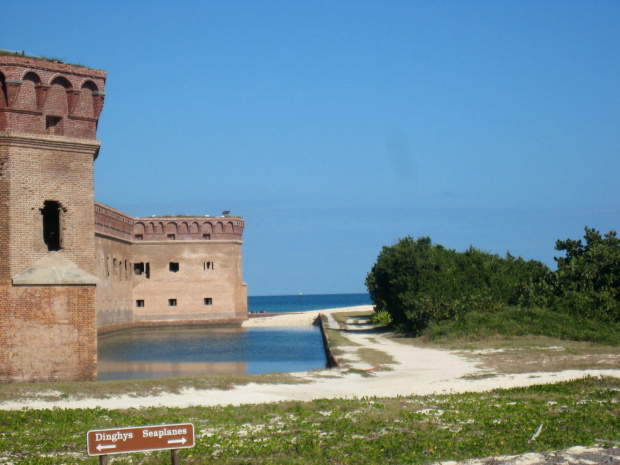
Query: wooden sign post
point(140, 439)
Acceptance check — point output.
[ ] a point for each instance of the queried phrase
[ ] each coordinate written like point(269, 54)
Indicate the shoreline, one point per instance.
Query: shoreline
point(414, 371)
point(297, 318)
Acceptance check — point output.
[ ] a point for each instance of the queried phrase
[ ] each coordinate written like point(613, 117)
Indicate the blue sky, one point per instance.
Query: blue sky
point(335, 128)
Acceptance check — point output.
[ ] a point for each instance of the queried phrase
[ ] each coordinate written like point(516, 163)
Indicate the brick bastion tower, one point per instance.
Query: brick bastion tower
point(48, 122)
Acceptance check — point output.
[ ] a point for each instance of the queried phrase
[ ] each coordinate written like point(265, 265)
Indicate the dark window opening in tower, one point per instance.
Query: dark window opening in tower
point(51, 225)
point(52, 124)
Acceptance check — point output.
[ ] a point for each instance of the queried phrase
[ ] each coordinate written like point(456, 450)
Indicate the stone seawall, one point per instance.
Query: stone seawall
point(332, 362)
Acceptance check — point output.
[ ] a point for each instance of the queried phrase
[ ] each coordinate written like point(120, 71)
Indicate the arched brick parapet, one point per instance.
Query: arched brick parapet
point(57, 101)
point(85, 105)
point(31, 76)
point(27, 99)
point(61, 81)
point(171, 228)
point(194, 228)
point(90, 85)
point(139, 230)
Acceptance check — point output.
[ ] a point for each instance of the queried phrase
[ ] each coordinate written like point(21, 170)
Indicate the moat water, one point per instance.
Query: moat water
point(169, 352)
point(164, 353)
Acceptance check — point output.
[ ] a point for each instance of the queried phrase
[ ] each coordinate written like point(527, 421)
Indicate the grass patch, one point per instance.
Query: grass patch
point(48, 59)
point(375, 357)
point(337, 341)
point(514, 321)
point(412, 430)
point(342, 317)
point(138, 388)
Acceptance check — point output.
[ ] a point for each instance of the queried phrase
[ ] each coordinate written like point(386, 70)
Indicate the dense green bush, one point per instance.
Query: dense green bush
point(417, 282)
point(587, 281)
point(420, 284)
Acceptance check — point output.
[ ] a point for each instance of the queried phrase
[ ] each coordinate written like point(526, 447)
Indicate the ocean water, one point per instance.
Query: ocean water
point(303, 303)
point(142, 353)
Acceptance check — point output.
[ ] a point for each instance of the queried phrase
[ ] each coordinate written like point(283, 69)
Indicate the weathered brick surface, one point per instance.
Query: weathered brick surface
point(47, 333)
point(48, 121)
point(195, 281)
point(40, 97)
point(208, 254)
point(40, 168)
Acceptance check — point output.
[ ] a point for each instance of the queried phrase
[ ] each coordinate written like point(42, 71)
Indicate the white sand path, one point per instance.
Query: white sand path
point(418, 371)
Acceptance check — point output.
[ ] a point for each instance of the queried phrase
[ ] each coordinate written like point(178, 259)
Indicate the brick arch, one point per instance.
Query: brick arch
point(57, 101)
point(139, 228)
point(85, 104)
point(219, 227)
point(183, 228)
point(62, 81)
point(90, 85)
point(27, 99)
point(230, 227)
point(207, 228)
point(31, 76)
point(194, 228)
point(171, 228)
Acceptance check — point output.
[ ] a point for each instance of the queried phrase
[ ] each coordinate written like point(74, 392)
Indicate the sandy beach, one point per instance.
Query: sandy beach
point(415, 370)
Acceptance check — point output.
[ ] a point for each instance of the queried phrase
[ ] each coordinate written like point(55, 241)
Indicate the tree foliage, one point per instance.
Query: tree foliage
point(587, 281)
point(417, 282)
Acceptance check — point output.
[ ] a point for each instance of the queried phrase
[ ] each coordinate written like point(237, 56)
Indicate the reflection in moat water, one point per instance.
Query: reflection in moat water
point(167, 352)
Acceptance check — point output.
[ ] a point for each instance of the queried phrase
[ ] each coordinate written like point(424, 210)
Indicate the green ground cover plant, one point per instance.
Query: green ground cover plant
point(403, 430)
point(515, 321)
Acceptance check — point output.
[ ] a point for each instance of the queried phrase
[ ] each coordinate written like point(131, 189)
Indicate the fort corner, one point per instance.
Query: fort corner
point(70, 267)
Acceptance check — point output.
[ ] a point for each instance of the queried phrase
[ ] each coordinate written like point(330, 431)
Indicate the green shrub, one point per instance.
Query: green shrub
point(381, 318)
point(587, 281)
point(418, 283)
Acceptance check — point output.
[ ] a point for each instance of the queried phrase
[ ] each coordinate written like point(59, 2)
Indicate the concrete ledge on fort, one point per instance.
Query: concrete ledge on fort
point(54, 269)
point(112, 328)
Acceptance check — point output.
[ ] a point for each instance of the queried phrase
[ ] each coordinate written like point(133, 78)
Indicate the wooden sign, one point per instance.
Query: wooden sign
point(143, 438)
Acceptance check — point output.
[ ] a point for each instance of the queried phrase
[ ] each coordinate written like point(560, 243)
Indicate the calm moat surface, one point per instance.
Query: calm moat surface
point(168, 352)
